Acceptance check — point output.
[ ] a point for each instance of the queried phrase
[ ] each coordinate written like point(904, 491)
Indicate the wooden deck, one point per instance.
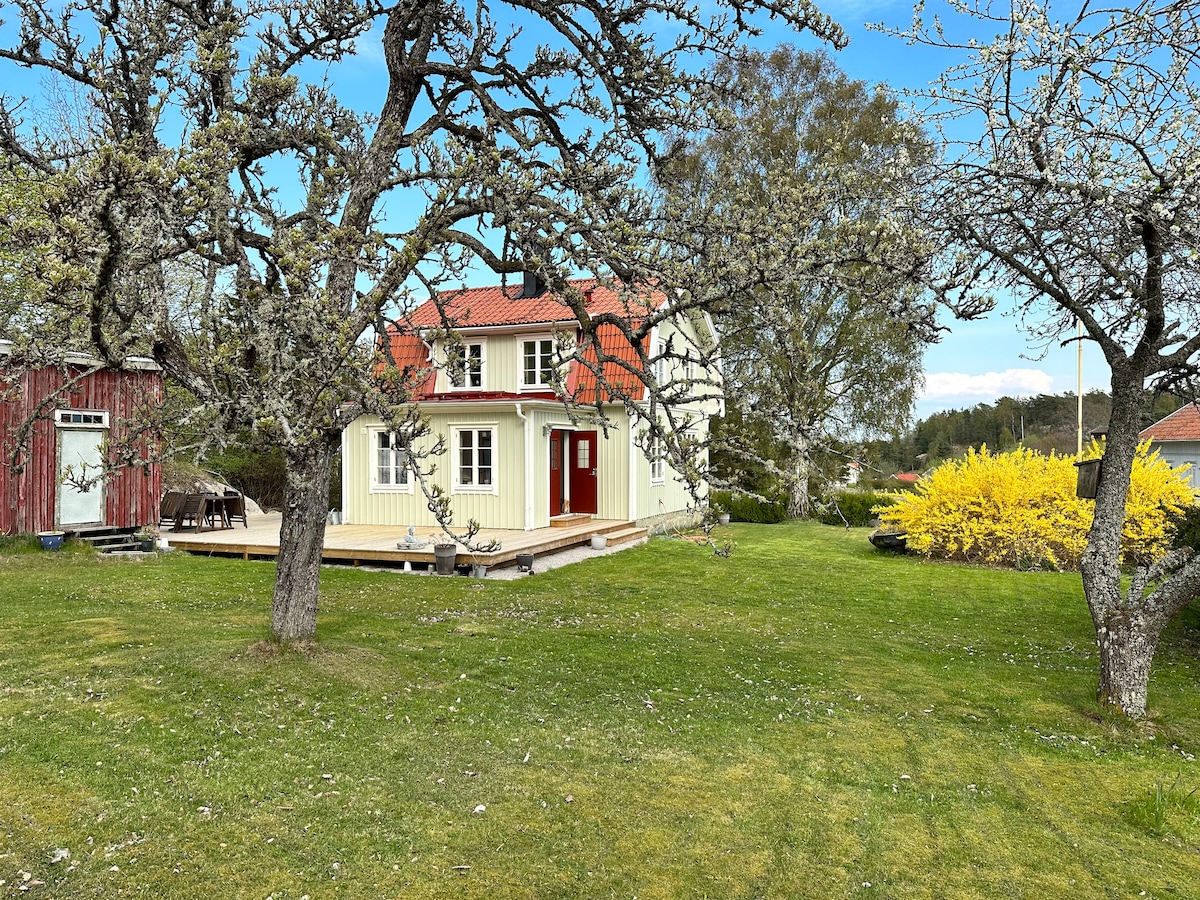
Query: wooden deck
point(377, 544)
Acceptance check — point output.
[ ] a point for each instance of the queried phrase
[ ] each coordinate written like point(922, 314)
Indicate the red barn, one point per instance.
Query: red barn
point(83, 464)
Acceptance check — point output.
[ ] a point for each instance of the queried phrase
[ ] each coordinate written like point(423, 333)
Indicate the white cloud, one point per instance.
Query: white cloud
point(1010, 382)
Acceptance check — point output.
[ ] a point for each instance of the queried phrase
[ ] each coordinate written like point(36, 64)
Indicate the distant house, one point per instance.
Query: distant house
point(908, 477)
point(514, 458)
point(1177, 439)
point(73, 470)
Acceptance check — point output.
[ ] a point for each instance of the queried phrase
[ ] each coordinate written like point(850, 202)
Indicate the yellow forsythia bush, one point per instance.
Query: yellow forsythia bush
point(1019, 509)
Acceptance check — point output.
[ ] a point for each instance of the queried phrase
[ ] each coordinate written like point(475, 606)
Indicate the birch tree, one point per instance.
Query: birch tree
point(812, 172)
point(508, 134)
point(1080, 198)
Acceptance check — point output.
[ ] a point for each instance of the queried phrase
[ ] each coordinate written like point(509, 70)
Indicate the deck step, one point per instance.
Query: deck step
point(625, 535)
point(566, 521)
point(110, 539)
point(100, 541)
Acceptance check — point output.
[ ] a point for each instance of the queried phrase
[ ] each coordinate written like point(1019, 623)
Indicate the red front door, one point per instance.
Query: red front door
point(581, 462)
point(558, 444)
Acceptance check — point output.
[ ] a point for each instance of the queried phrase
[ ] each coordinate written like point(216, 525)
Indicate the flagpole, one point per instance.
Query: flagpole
point(1079, 370)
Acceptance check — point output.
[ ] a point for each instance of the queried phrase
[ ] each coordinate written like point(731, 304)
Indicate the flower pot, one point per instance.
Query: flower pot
point(599, 542)
point(443, 558)
point(525, 562)
point(723, 519)
point(478, 571)
point(51, 540)
point(145, 542)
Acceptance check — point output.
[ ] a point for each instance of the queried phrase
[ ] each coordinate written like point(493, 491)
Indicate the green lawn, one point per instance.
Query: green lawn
point(807, 719)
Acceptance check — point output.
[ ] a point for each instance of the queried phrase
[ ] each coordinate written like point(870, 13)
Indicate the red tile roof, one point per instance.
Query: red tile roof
point(584, 387)
point(1181, 425)
point(492, 306)
point(499, 306)
point(411, 356)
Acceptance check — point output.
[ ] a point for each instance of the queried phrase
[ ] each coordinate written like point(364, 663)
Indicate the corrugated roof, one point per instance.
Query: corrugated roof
point(1181, 425)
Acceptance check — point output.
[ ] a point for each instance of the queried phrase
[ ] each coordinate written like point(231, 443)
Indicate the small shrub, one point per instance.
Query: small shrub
point(1187, 529)
point(750, 509)
point(854, 508)
point(1019, 510)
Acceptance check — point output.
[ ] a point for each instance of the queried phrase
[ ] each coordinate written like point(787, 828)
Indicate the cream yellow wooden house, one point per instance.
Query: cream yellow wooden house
point(515, 456)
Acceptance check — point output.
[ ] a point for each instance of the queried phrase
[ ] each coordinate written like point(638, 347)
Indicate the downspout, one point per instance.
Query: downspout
point(527, 426)
point(634, 472)
point(345, 471)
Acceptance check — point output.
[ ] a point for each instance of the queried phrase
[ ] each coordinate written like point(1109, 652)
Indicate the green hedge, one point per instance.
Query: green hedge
point(855, 506)
point(750, 509)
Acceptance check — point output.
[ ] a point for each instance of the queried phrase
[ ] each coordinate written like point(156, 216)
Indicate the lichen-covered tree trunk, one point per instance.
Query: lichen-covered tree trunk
point(301, 536)
point(1127, 643)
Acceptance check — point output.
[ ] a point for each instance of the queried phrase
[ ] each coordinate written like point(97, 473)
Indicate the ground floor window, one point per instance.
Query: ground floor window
point(475, 468)
point(657, 460)
point(389, 471)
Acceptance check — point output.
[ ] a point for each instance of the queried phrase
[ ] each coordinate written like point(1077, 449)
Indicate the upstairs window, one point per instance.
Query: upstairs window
point(660, 364)
point(537, 362)
point(465, 366)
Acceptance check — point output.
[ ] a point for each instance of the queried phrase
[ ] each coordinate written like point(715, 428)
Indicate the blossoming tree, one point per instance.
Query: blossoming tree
point(223, 136)
point(1080, 198)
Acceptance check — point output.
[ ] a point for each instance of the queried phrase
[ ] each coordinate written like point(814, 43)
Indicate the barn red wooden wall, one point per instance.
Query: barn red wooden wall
point(27, 496)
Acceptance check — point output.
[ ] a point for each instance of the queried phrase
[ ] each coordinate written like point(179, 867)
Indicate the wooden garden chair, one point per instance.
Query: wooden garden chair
point(168, 507)
point(192, 509)
point(235, 508)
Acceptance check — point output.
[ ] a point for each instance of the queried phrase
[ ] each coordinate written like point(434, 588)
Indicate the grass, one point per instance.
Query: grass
point(807, 719)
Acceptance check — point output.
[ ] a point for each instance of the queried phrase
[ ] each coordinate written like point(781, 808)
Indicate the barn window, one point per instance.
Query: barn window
point(80, 418)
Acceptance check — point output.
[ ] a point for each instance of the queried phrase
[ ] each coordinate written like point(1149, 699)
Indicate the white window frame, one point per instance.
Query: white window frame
point(377, 487)
point(657, 457)
point(467, 344)
point(91, 419)
point(555, 362)
point(456, 460)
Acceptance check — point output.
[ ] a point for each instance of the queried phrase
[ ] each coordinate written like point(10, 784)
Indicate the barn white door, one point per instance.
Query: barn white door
point(80, 490)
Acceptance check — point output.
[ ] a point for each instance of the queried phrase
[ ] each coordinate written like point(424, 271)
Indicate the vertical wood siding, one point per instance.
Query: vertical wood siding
point(504, 509)
point(29, 491)
point(500, 362)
